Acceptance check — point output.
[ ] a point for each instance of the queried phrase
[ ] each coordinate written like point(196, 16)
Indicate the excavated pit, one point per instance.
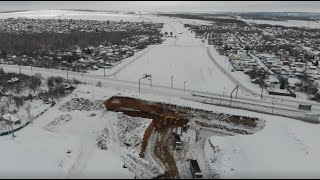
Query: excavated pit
point(158, 111)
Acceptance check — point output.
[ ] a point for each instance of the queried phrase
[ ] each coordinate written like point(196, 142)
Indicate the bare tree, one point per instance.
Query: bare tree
point(18, 101)
point(18, 87)
point(283, 82)
point(28, 109)
point(2, 109)
point(8, 102)
point(35, 82)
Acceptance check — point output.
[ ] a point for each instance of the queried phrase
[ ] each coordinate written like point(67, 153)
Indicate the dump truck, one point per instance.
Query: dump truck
point(177, 142)
point(195, 169)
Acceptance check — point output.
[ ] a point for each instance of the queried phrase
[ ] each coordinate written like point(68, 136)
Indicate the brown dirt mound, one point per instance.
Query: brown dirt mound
point(139, 108)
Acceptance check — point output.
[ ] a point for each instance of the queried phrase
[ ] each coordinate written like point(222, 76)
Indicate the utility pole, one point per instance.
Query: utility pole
point(184, 86)
point(172, 81)
point(12, 132)
point(150, 80)
point(272, 103)
point(67, 73)
point(236, 88)
point(223, 90)
point(139, 83)
point(144, 77)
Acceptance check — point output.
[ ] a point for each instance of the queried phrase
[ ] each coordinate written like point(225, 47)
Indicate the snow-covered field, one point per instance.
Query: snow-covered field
point(62, 143)
point(70, 14)
point(280, 150)
point(41, 149)
point(288, 23)
point(79, 131)
point(184, 58)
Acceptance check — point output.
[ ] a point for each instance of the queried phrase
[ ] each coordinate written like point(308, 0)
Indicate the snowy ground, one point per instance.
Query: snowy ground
point(289, 23)
point(79, 129)
point(280, 150)
point(63, 144)
point(184, 58)
point(70, 14)
point(40, 149)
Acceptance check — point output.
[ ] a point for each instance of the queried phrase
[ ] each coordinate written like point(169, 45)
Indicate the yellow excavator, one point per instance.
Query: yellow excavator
point(171, 119)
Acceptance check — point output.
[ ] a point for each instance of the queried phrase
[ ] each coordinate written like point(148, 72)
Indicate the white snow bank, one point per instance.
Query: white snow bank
point(280, 150)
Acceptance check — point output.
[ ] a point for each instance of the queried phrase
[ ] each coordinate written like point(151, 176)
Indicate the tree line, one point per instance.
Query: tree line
point(26, 43)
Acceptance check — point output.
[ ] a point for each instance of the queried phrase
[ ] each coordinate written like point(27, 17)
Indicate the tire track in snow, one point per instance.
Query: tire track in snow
point(236, 82)
point(132, 61)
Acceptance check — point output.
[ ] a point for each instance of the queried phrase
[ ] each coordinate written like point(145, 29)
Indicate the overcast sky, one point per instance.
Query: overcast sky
point(279, 6)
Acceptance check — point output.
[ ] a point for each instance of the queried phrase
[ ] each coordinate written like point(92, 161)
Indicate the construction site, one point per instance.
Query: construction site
point(191, 125)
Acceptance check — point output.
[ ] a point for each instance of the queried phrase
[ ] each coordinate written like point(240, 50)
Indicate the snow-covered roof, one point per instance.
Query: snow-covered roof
point(10, 117)
point(81, 60)
point(15, 79)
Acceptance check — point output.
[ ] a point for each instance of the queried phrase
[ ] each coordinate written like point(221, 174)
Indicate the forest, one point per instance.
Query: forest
point(26, 43)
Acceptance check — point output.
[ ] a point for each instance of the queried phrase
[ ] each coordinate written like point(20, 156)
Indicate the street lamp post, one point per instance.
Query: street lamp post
point(139, 83)
point(261, 91)
point(223, 90)
point(172, 81)
point(67, 73)
point(144, 77)
point(272, 103)
point(150, 80)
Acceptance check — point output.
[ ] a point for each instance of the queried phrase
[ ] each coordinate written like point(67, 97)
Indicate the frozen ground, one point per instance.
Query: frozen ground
point(184, 58)
point(70, 14)
point(78, 131)
point(67, 147)
point(288, 23)
point(280, 150)
point(41, 149)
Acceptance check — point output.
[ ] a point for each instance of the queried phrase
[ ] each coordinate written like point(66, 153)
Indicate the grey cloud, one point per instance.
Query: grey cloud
point(307, 6)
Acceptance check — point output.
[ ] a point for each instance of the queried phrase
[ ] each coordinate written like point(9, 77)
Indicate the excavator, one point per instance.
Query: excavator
point(171, 119)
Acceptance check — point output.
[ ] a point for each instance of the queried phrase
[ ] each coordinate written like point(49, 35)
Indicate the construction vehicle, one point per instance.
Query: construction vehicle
point(195, 169)
point(177, 142)
point(171, 119)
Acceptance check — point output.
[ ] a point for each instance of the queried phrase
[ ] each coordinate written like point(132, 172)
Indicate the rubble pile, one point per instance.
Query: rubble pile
point(82, 104)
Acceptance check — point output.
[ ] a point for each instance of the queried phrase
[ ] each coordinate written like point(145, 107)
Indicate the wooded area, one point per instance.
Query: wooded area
point(25, 43)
